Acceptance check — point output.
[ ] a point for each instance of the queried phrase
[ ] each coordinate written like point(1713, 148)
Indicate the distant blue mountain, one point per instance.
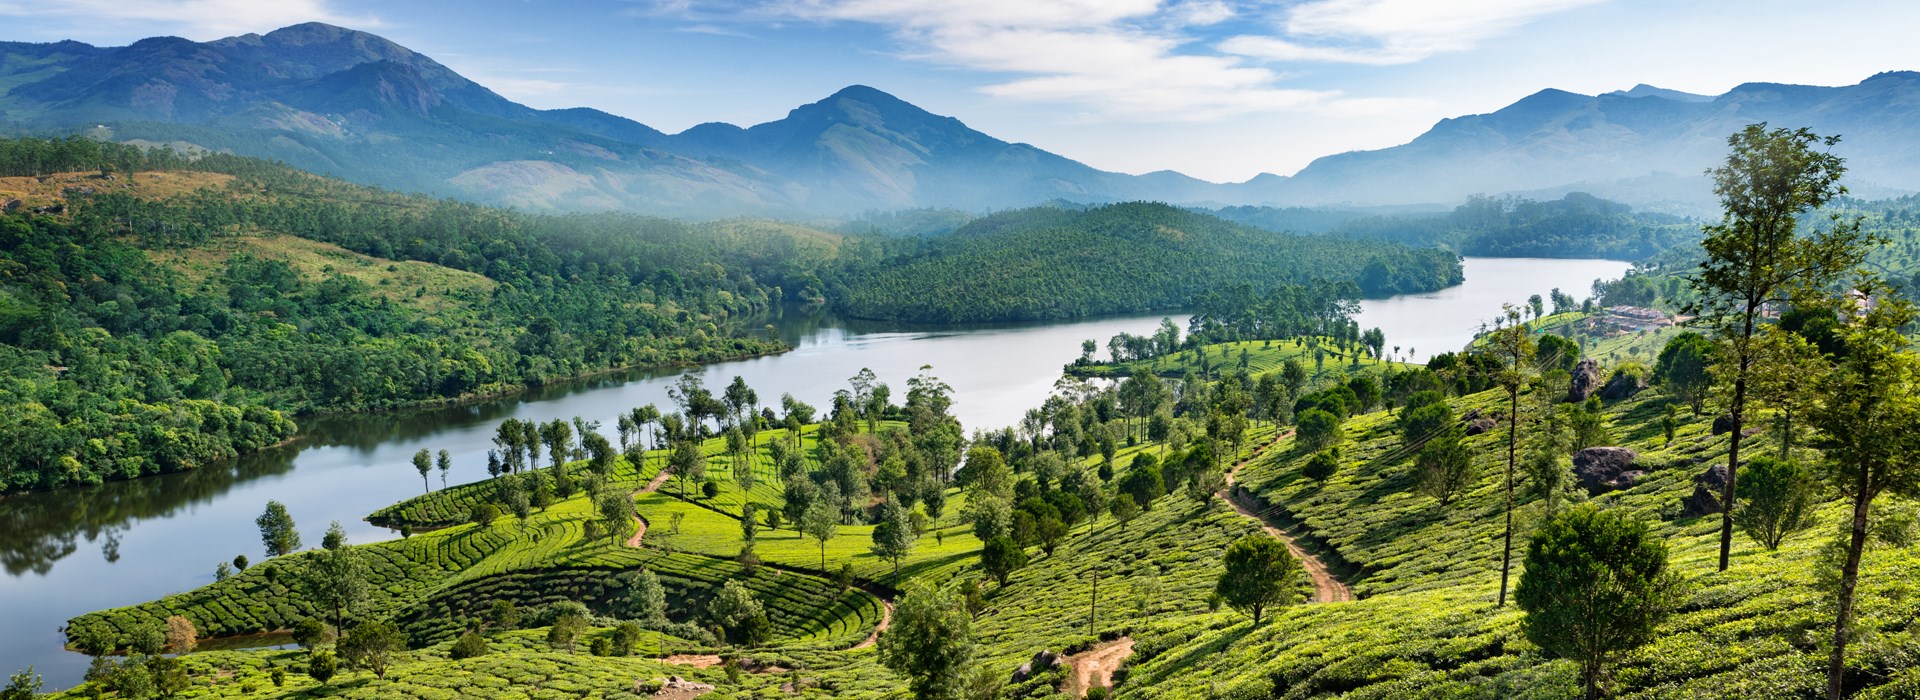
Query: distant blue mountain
point(354, 105)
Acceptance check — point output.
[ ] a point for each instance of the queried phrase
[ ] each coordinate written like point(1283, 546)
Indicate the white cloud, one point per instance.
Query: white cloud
point(1151, 60)
point(1390, 32)
point(194, 19)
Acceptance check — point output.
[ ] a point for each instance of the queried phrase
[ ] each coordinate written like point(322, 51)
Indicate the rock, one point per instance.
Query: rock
point(1481, 425)
point(1601, 469)
point(1723, 425)
point(1623, 385)
point(1042, 661)
point(1705, 499)
point(1586, 380)
point(1471, 414)
point(13, 205)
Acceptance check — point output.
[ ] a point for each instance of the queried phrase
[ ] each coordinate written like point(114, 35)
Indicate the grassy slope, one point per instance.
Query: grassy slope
point(1263, 356)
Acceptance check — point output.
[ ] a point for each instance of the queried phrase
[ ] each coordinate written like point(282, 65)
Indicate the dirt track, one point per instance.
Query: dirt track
point(1326, 587)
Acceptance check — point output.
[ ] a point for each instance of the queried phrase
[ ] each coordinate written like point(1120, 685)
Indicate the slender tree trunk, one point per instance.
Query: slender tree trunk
point(1513, 438)
point(1733, 441)
point(1592, 680)
point(1849, 579)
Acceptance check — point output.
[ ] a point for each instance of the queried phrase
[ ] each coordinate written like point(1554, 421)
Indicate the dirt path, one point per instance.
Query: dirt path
point(886, 620)
point(695, 660)
point(641, 531)
point(1094, 667)
point(1326, 588)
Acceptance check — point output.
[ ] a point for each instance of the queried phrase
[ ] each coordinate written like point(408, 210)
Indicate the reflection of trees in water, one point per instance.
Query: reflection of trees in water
point(38, 529)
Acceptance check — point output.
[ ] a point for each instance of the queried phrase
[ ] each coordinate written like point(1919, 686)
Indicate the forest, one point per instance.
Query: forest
point(1577, 225)
point(1052, 263)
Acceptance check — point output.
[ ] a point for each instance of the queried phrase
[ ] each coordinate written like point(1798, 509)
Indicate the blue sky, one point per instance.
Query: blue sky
point(1219, 89)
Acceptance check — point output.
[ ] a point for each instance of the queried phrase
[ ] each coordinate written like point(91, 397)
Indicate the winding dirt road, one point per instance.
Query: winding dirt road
point(886, 620)
point(641, 531)
point(1326, 587)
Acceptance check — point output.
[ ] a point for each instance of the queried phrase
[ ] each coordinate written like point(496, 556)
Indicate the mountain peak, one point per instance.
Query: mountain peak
point(1645, 90)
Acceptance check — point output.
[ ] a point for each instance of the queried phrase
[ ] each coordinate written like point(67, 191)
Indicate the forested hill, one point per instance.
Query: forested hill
point(154, 321)
point(1577, 225)
point(1054, 263)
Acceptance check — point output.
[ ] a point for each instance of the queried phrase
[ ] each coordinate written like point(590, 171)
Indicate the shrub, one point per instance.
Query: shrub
point(469, 645)
point(1323, 465)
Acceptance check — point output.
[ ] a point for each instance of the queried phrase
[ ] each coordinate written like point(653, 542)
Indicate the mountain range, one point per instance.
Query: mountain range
point(355, 105)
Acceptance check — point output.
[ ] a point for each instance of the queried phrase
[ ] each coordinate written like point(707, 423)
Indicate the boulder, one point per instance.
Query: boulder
point(1602, 469)
point(1586, 380)
point(1042, 662)
point(1705, 499)
point(1723, 424)
point(1481, 425)
point(1623, 385)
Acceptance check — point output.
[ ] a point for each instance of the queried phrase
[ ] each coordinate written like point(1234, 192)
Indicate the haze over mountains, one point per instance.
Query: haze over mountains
point(355, 105)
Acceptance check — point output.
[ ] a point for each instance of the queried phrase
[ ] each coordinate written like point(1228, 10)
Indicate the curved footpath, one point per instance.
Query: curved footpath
point(1326, 587)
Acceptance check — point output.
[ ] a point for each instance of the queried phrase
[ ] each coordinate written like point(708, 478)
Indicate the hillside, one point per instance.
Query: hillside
point(1123, 592)
point(1054, 263)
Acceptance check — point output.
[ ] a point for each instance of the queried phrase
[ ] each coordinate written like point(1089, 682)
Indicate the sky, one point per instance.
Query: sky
point(1218, 89)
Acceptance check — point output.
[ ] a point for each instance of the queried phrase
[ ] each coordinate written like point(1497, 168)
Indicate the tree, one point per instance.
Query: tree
point(1322, 465)
point(1511, 346)
point(1001, 557)
point(1445, 466)
point(1259, 575)
point(687, 462)
point(181, 636)
point(558, 435)
point(371, 645)
point(565, 630)
point(24, 685)
point(423, 463)
point(1682, 367)
point(1596, 584)
point(821, 522)
point(645, 600)
point(893, 538)
point(310, 632)
point(1776, 500)
point(1756, 256)
point(277, 530)
point(616, 512)
point(1317, 429)
point(336, 578)
point(322, 666)
point(1143, 482)
point(445, 463)
point(1869, 428)
point(930, 642)
point(738, 612)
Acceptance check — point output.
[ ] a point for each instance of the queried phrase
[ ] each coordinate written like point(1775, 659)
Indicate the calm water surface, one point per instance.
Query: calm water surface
point(73, 551)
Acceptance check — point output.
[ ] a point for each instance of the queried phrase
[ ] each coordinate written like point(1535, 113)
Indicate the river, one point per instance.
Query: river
point(76, 550)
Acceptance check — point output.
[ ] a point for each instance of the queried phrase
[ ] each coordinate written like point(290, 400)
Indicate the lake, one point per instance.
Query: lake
point(77, 550)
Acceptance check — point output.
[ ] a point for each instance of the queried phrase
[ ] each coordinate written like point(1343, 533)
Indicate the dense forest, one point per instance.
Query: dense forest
point(1054, 263)
point(144, 335)
point(1578, 225)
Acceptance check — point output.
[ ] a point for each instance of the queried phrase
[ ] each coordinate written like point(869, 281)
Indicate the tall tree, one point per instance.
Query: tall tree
point(336, 577)
point(687, 462)
point(893, 537)
point(423, 463)
point(371, 645)
point(1869, 428)
point(1259, 574)
point(1756, 256)
point(1511, 345)
point(1596, 584)
point(445, 463)
point(821, 522)
point(930, 642)
point(277, 531)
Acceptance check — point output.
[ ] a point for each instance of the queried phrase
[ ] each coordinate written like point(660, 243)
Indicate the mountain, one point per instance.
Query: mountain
point(1618, 144)
point(354, 105)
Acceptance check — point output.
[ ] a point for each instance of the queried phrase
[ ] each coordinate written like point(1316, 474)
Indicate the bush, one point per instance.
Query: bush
point(469, 645)
point(1323, 465)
